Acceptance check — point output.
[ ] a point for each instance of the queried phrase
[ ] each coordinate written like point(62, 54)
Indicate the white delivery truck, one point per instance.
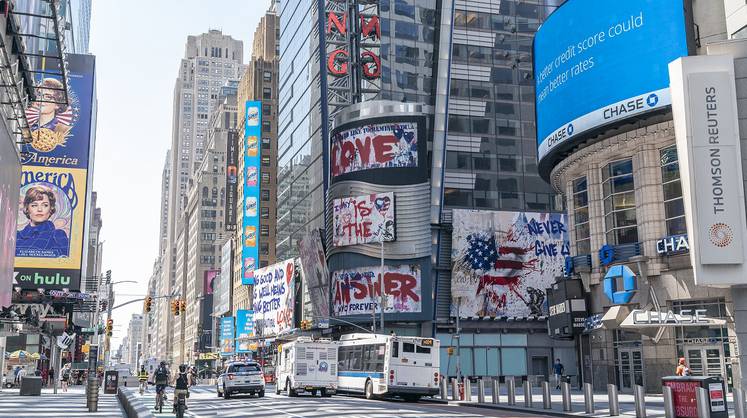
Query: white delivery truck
point(307, 365)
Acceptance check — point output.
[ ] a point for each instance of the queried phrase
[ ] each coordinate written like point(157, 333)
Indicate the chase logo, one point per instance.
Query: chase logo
point(652, 100)
point(624, 295)
point(570, 129)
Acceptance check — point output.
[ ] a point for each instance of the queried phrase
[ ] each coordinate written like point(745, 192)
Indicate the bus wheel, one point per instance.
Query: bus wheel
point(369, 390)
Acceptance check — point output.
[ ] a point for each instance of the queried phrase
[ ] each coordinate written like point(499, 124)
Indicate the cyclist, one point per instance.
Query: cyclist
point(182, 382)
point(193, 374)
point(143, 378)
point(161, 379)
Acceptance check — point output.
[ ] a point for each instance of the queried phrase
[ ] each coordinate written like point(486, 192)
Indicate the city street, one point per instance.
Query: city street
point(203, 402)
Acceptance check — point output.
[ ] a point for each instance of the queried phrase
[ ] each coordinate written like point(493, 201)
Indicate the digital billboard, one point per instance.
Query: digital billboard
point(244, 329)
point(363, 219)
point(314, 271)
point(273, 298)
point(54, 180)
point(227, 336)
point(356, 291)
point(502, 262)
point(232, 179)
point(250, 223)
point(377, 145)
point(599, 62)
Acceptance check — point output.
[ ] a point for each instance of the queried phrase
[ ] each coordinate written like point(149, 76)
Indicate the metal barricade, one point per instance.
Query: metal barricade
point(668, 401)
point(467, 389)
point(613, 401)
point(511, 389)
point(704, 405)
point(480, 390)
point(546, 396)
point(454, 389)
point(496, 386)
point(640, 402)
point(588, 398)
point(527, 394)
point(565, 389)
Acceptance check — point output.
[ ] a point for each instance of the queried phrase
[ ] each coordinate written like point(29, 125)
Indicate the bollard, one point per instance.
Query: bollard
point(668, 402)
point(546, 397)
point(454, 389)
point(92, 397)
point(496, 390)
point(565, 389)
point(443, 390)
point(467, 389)
point(739, 403)
point(588, 398)
point(704, 406)
point(527, 394)
point(511, 388)
point(640, 402)
point(480, 390)
point(612, 400)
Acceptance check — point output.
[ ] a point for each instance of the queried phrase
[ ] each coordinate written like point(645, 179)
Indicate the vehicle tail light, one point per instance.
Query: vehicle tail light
point(435, 377)
point(230, 377)
point(391, 376)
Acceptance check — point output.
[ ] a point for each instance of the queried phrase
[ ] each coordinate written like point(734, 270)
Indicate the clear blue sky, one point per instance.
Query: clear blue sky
point(138, 45)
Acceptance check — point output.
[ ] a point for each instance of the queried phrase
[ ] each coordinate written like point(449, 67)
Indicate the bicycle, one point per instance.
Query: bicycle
point(160, 399)
point(181, 405)
point(142, 387)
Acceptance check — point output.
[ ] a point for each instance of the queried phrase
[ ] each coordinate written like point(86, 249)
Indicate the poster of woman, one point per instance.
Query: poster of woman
point(50, 118)
point(44, 222)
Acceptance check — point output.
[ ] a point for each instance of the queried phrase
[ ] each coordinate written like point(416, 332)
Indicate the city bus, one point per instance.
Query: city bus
point(388, 365)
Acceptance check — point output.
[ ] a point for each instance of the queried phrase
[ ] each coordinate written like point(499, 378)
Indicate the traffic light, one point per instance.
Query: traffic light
point(175, 307)
point(183, 306)
point(148, 303)
point(450, 351)
point(305, 325)
point(109, 327)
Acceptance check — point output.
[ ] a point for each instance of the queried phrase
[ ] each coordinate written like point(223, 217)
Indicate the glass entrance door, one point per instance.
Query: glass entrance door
point(629, 368)
point(706, 360)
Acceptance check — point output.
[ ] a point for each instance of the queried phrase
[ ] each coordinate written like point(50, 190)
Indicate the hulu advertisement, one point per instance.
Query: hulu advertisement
point(250, 223)
point(54, 178)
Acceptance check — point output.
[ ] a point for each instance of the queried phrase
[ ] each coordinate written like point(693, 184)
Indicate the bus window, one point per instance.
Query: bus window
point(395, 348)
point(342, 359)
point(408, 347)
point(356, 356)
point(423, 350)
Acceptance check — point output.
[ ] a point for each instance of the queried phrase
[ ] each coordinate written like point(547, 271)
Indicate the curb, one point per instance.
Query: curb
point(132, 406)
point(545, 412)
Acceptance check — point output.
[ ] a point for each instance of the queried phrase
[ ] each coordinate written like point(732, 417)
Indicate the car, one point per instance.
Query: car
point(241, 377)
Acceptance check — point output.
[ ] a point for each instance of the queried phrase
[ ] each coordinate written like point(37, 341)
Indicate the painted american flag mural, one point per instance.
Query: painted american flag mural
point(502, 262)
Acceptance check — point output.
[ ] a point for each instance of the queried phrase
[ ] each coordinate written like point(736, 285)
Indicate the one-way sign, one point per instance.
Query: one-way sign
point(64, 340)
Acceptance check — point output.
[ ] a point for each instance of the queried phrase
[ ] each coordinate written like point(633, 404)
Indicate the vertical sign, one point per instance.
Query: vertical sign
point(226, 336)
point(54, 180)
point(222, 293)
point(273, 299)
point(244, 329)
point(232, 179)
point(211, 279)
point(704, 105)
point(314, 271)
point(250, 225)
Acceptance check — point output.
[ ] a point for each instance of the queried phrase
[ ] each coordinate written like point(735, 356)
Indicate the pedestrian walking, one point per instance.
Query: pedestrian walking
point(65, 376)
point(15, 374)
point(21, 375)
point(682, 369)
point(558, 372)
point(45, 376)
point(51, 375)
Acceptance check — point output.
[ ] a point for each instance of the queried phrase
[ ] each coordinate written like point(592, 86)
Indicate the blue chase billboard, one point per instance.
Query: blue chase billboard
point(599, 62)
point(250, 223)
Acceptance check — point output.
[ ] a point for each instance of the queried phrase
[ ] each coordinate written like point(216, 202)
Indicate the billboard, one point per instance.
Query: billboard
point(10, 172)
point(244, 329)
point(599, 62)
point(356, 291)
point(227, 336)
point(222, 292)
point(273, 298)
point(211, 281)
point(363, 219)
point(314, 271)
point(232, 179)
point(502, 262)
point(250, 223)
point(378, 145)
point(54, 181)
point(706, 126)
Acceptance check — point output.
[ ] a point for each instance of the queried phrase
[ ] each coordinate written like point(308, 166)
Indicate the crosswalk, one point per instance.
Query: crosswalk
point(68, 404)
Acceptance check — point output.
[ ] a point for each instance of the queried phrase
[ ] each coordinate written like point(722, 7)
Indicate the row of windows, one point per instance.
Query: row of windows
point(361, 358)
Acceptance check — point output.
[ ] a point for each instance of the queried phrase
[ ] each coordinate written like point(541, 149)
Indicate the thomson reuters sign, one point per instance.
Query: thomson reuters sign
point(705, 115)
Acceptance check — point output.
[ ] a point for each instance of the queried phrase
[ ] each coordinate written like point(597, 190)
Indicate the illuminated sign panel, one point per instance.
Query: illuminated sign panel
point(250, 224)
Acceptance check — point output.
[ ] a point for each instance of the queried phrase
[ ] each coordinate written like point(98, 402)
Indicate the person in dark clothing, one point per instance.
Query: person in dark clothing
point(181, 384)
point(558, 369)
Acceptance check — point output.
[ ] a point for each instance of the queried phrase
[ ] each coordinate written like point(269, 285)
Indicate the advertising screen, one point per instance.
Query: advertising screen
point(232, 180)
point(54, 180)
point(313, 266)
point(250, 223)
point(363, 219)
point(599, 62)
point(10, 171)
point(222, 292)
point(244, 329)
point(502, 262)
point(273, 298)
point(227, 336)
point(356, 291)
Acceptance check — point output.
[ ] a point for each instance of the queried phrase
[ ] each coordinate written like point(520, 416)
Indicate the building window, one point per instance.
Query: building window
point(267, 93)
point(264, 212)
point(265, 161)
point(674, 209)
point(265, 178)
point(581, 215)
point(265, 195)
point(618, 189)
point(264, 230)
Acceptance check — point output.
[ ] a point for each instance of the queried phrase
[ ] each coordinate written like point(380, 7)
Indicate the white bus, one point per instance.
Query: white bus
point(377, 365)
point(307, 366)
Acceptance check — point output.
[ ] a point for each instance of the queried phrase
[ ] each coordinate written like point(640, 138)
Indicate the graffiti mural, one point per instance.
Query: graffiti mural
point(382, 145)
point(354, 288)
point(363, 219)
point(502, 262)
point(273, 298)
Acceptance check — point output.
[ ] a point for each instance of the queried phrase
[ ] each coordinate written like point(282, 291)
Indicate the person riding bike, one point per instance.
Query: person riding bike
point(193, 375)
point(161, 379)
point(142, 377)
point(182, 382)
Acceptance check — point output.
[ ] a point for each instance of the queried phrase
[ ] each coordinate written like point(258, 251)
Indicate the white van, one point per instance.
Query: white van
point(307, 366)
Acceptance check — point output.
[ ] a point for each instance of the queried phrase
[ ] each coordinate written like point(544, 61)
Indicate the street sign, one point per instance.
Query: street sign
point(324, 323)
point(64, 340)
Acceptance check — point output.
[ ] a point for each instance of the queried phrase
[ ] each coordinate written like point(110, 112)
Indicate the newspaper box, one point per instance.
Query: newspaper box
point(111, 382)
point(683, 395)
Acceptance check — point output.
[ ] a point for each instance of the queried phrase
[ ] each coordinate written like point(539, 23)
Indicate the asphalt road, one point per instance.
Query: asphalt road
point(204, 402)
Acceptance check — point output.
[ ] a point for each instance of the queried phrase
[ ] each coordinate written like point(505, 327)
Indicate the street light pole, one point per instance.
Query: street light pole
point(381, 287)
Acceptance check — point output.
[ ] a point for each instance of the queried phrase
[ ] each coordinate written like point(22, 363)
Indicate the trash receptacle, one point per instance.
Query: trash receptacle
point(31, 386)
point(111, 382)
point(684, 399)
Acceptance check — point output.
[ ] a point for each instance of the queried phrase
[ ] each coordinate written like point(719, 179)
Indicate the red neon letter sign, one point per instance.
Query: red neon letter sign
point(337, 62)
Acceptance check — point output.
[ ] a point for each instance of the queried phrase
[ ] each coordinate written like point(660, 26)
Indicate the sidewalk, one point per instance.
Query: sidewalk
point(69, 404)
point(654, 403)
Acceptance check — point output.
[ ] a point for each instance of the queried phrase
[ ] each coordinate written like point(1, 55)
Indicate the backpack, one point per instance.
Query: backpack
point(161, 375)
point(66, 374)
point(181, 381)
